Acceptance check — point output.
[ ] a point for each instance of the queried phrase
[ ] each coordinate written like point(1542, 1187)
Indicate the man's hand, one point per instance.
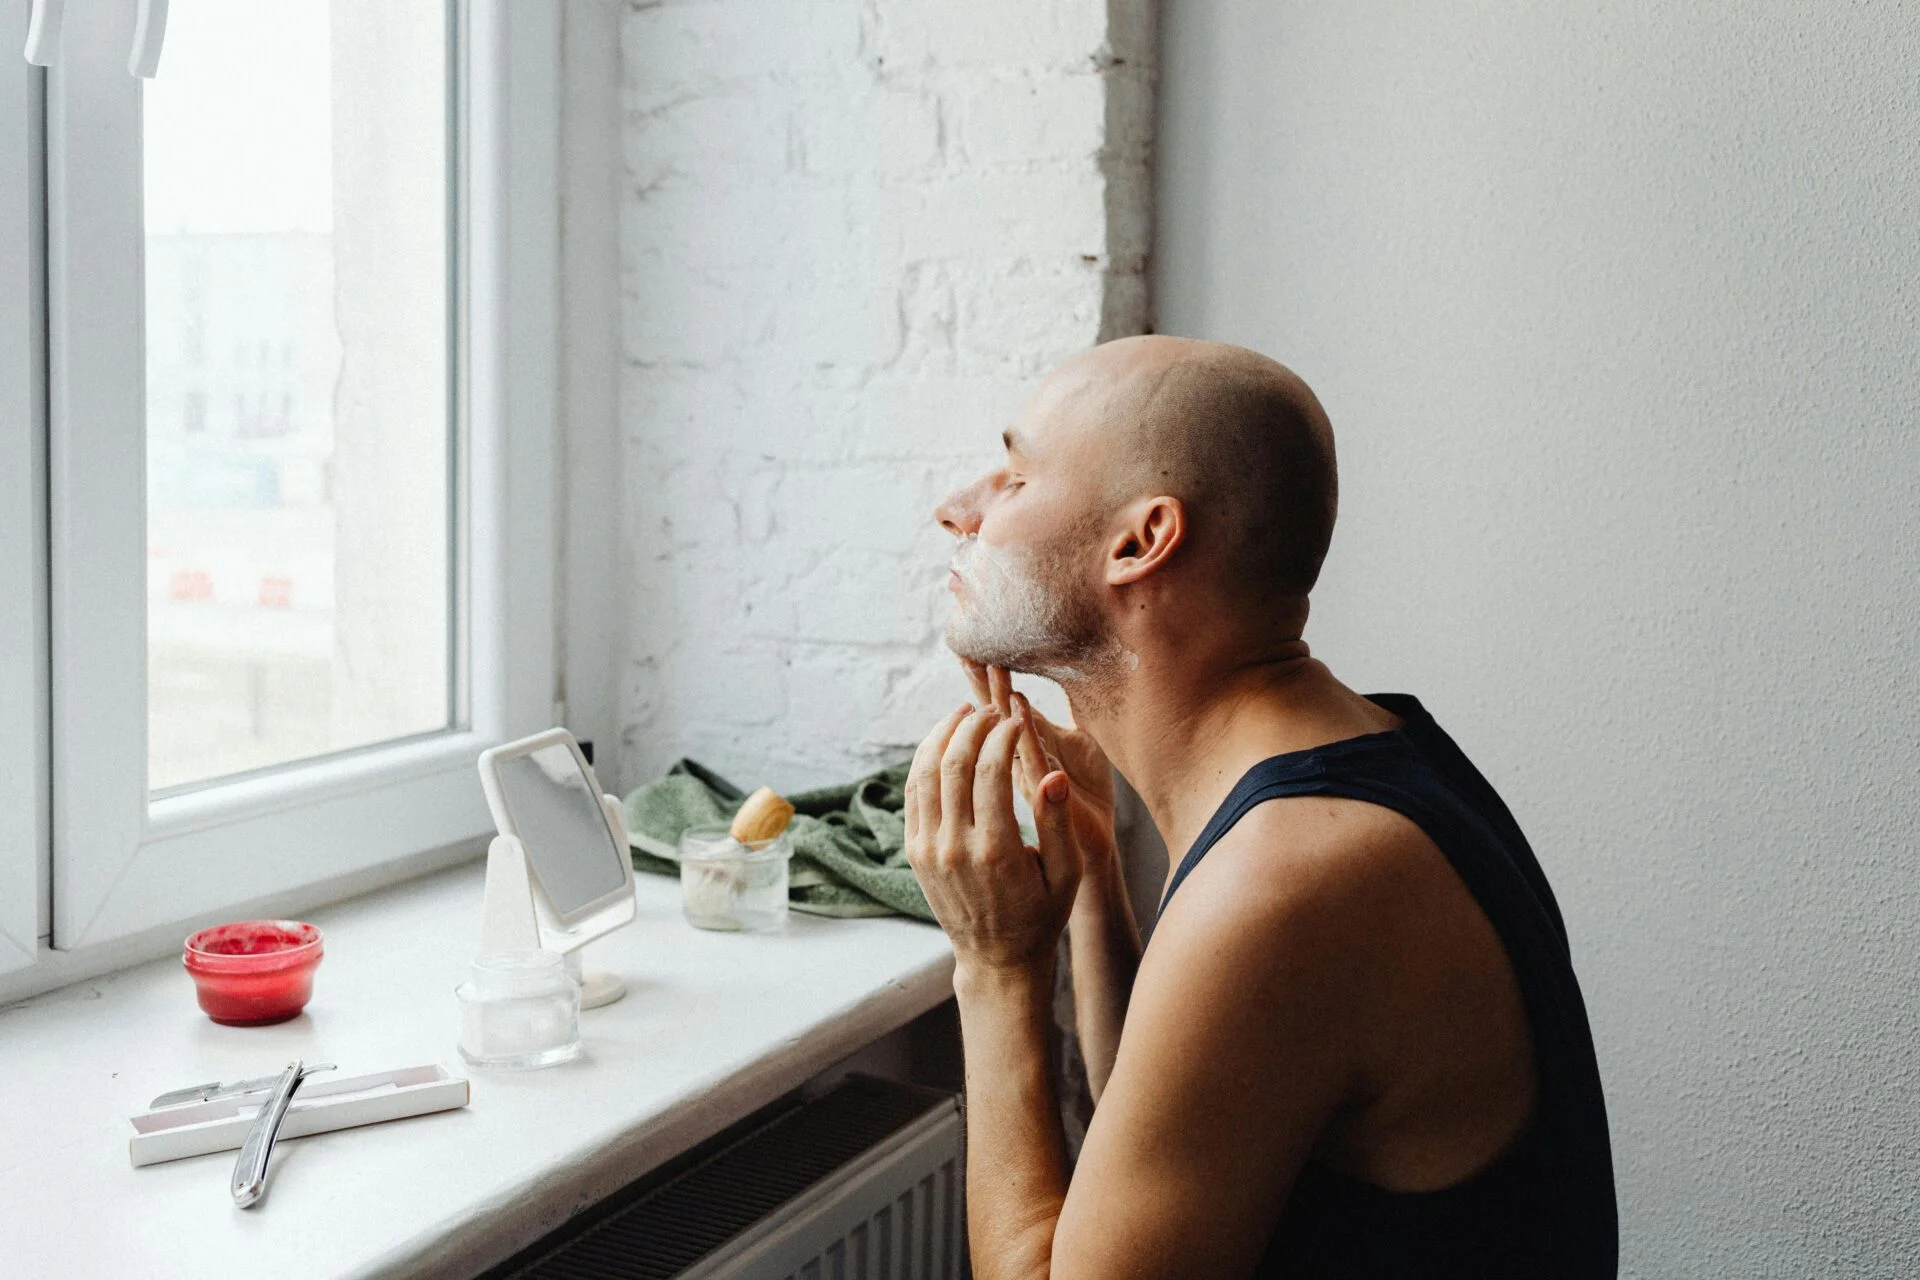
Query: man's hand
point(1002, 902)
point(1045, 746)
point(1105, 937)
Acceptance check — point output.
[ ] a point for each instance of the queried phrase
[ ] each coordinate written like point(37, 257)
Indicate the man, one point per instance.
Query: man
point(1355, 1046)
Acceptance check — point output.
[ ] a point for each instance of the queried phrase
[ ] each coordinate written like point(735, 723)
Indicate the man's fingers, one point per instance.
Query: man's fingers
point(977, 681)
point(1059, 856)
point(956, 775)
point(1074, 751)
point(993, 786)
point(923, 779)
point(1033, 752)
point(1050, 733)
point(1046, 726)
point(1000, 686)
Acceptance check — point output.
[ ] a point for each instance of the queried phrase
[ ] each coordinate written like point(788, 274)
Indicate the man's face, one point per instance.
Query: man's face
point(1025, 574)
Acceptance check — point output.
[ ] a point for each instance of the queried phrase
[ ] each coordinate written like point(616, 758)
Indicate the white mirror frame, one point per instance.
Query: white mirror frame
point(563, 933)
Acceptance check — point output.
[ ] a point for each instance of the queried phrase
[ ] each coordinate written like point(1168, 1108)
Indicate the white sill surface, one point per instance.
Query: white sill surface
point(713, 1027)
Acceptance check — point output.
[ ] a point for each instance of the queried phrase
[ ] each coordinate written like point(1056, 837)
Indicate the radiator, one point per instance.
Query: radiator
point(865, 1182)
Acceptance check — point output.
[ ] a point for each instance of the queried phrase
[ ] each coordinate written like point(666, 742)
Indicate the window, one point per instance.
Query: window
point(301, 582)
point(278, 458)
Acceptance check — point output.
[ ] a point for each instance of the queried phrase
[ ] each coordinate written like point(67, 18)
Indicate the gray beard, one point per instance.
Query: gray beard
point(1021, 613)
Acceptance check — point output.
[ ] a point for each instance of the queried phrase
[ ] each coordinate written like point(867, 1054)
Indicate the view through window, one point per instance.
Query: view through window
point(299, 409)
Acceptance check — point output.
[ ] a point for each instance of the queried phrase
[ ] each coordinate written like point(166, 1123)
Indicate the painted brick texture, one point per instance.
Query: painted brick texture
point(854, 234)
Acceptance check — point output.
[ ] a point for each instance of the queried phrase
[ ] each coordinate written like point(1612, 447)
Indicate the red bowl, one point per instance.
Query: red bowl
point(254, 971)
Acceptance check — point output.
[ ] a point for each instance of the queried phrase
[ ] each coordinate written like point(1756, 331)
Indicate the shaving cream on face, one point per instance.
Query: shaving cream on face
point(1019, 613)
point(1006, 609)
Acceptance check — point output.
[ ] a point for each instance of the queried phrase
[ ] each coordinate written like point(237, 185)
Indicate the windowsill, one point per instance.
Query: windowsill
point(713, 1027)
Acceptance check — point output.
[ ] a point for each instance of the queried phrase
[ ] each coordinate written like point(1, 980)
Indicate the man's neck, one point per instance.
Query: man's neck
point(1182, 733)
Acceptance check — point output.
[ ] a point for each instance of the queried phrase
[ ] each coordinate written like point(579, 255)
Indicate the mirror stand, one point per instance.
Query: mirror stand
point(597, 986)
point(508, 921)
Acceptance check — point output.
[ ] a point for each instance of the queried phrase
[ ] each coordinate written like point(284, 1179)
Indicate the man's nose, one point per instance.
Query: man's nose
point(959, 512)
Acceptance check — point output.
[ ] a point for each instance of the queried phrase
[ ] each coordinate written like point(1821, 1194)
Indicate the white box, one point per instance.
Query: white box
point(196, 1128)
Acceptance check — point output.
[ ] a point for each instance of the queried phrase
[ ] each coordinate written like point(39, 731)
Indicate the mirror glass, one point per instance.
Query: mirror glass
point(557, 814)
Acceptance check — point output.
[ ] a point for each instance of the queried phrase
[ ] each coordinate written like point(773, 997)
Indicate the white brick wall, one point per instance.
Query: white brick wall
point(854, 232)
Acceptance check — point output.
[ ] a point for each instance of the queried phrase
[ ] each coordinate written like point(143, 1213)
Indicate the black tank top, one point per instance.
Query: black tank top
point(1545, 1207)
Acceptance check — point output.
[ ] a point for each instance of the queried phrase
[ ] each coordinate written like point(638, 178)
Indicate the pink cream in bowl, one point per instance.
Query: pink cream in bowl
point(254, 971)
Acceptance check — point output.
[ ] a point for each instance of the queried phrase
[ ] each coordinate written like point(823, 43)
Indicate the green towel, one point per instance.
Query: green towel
point(849, 855)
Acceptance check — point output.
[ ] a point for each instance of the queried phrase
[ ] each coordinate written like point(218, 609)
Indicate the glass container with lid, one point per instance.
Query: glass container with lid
point(519, 1010)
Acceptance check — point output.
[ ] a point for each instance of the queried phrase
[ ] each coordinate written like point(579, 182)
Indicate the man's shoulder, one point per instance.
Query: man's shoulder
point(1275, 956)
point(1311, 853)
point(1325, 892)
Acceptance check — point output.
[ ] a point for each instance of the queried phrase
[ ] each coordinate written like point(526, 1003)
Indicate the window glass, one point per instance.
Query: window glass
point(300, 584)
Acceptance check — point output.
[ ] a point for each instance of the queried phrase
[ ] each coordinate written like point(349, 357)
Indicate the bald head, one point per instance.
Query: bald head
point(1239, 445)
point(1239, 439)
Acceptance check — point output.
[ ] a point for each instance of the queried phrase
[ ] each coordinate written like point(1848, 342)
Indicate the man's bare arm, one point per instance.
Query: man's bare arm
point(1103, 937)
point(1016, 1151)
point(1004, 905)
point(1104, 942)
point(1240, 1048)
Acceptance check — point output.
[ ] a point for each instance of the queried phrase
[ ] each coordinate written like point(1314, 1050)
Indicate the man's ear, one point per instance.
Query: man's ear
point(1152, 530)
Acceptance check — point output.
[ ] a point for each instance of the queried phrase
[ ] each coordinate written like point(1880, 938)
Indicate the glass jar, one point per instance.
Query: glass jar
point(519, 1010)
point(731, 884)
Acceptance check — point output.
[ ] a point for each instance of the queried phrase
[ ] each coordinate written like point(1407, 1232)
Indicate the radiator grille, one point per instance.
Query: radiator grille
point(863, 1183)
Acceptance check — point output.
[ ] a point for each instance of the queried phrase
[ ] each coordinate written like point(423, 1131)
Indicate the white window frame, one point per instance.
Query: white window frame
point(23, 555)
point(128, 874)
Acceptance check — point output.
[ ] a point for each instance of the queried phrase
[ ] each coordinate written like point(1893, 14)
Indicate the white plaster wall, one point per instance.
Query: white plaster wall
point(854, 233)
point(1614, 308)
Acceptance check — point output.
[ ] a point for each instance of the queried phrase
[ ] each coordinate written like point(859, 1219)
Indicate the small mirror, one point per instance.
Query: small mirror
point(559, 874)
point(556, 811)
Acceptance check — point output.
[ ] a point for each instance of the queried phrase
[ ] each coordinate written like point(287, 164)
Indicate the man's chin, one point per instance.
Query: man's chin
point(963, 648)
point(1059, 668)
point(971, 647)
